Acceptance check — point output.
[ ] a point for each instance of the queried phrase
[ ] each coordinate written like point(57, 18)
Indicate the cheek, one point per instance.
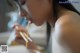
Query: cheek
point(38, 11)
point(36, 8)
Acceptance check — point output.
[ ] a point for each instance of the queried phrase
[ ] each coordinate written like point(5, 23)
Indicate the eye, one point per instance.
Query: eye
point(22, 2)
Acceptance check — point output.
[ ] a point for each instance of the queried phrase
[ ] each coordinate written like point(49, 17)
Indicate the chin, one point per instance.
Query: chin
point(38, 24)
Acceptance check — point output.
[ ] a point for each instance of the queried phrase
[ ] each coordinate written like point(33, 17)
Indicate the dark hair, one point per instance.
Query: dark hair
point(64, 3)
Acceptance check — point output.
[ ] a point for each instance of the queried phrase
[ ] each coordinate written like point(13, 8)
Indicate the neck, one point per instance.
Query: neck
point(60, 13)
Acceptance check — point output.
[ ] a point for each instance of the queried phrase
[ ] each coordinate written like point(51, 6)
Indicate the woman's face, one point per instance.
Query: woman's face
point(38, 11)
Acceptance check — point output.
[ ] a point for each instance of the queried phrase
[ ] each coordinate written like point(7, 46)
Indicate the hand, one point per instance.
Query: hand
point(20, 40)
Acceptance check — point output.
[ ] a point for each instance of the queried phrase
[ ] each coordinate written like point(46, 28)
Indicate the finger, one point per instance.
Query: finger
point(19, 28)
point(18, 35)
point(20, 41)
point(16, 24)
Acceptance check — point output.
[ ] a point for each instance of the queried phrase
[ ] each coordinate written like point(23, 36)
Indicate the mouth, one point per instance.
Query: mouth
point(30, 20)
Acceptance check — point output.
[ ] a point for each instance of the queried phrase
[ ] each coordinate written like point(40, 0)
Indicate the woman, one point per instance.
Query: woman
point(62, 18)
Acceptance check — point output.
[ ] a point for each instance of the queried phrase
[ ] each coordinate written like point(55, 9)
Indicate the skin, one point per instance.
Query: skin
point(68, 32)
point(40, 11)
point(67, 27)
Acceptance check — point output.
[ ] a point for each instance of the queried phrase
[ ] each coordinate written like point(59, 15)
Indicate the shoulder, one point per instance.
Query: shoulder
point(68, 18)
point(69, 24)
point(67, 31)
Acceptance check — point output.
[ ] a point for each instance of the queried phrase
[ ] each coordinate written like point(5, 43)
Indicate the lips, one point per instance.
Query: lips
point(30, 21)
